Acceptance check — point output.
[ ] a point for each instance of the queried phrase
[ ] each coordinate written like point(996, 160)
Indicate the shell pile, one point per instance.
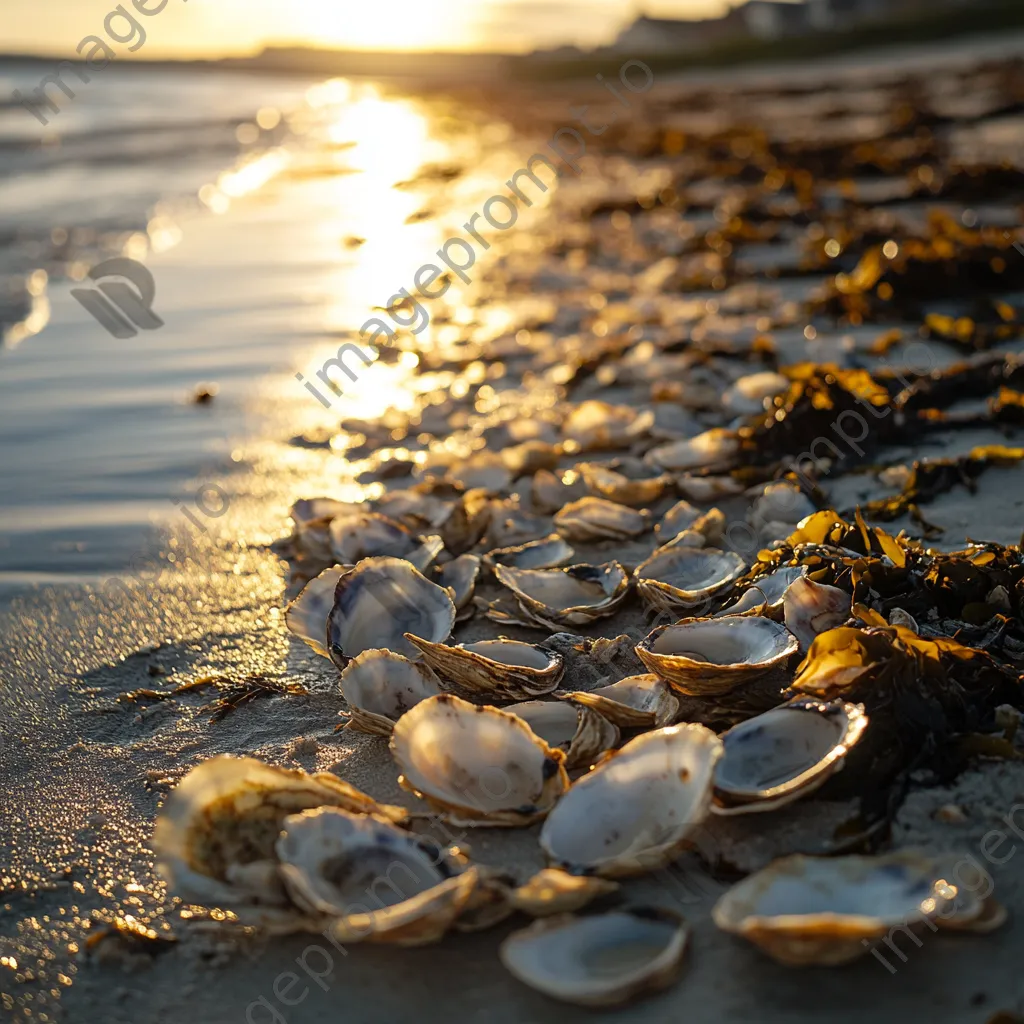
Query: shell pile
point(594, 594)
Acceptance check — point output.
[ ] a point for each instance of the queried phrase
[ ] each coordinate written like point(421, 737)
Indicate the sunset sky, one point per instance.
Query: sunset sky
point(212, 27)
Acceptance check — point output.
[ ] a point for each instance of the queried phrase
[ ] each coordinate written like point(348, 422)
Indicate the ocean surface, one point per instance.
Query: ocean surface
point(265, 207)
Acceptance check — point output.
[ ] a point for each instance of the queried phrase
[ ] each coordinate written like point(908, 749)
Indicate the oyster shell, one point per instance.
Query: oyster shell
point(784, 754)
point(809, 910)
point(511, 525)
point(581, 732)
point(748, 395)
point(494, 669)
point(638, 702)
point(681, 516)
point(380, 686)
point(459, 578)
point(485, 470)
point(366, 534)
point(549, 553)
point(214, 836)
point(765, 595)
point(332, 861)
point(573, 596)
point(306, 616)
point(810, 608)
point(480, 765)
point(600, 959)
point(678, 578)
point(781, 503)
point(381, 600)
point(637, 810)
point(706, 657)
point(595, 519)
point(550, 491)
point(707, 488)
point(715, 449)
point(551, 891)
point(625, 481)
point(594, 424)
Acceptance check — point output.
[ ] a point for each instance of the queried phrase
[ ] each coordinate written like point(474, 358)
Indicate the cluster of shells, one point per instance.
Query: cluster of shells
point(620, 769)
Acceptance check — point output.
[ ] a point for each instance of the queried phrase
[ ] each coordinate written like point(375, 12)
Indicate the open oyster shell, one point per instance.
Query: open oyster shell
point(681, 516)
point(625, 481)
point(306, 616)
point(638, 702)
point(548, 553)
point(594, 424)
point(784, 754)
point(599, 959)
point(494, 669)
point(810, 608)
point(581, 732)
point(480, 765)
point(705, 657)
point(459, 578)
point(595, 519)
point(214, 837)
point(637, 810)
point(713, 450)
point(678, 578)
point(367, 534)
point(809, 910)
point(333, 863)
point(573, 596)
point(381, 600)
point(380, 686)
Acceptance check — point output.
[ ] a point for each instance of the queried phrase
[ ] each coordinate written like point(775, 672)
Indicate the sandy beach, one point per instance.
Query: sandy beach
point(295, 248)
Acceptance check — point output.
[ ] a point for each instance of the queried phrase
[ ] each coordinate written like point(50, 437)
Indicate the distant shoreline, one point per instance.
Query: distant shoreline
point(942, 26)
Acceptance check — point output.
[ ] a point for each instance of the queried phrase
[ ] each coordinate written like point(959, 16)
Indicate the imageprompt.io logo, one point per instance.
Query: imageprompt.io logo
point(122, 310)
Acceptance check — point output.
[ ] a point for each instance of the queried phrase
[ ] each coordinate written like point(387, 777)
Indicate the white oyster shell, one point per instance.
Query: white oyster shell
point(784, 754)
point(595, 519)
point(678, 578)
point(638, 702)
point(214, 836)
point(714, 449)
point(582, 733)
point(381, 600)
point(547, 553)
point(809, 910)
point(765, 595)
point(366, 534)
point(626, 482)
point(705, 657)
point(380, 686)
point(600, 959)
point(337, 866)
point(811, 608)
point(306, 616)
point(638, 809)
point(572, 596)
point(480, 765)
point(494, 669)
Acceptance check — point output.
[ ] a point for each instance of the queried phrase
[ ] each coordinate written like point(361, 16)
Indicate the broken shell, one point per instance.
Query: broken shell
point(682, 578)
point(627, 482)
point(639, 702)
point(552, 891)
point(595, 519)
point(705, 657)
point(481, 765)
point(765, 595)
point(600, 959)
point(573, 596)
point(636, 810)
point(380, 686)
point(810, 608)
point(549, 553)
point(331, 861)
point(494, 669)
point(784, 754)
point(582, 733)
point(307, 615)
point(367, 534)
point(713, 450)
point(214, 837)
point(810, 910)
point(381, 600)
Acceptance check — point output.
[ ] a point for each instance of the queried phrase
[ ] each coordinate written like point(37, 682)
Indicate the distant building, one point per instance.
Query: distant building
point(837, 15)
point(664, 35)
point(774, 19)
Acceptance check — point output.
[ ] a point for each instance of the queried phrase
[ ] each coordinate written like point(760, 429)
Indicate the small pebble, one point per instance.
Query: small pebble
point(951, 814)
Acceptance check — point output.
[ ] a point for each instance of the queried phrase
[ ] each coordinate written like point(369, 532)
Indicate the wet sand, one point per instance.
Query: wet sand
point(85, 769)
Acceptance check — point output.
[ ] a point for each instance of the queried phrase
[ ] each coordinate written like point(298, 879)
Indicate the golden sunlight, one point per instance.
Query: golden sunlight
point(383, 24)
